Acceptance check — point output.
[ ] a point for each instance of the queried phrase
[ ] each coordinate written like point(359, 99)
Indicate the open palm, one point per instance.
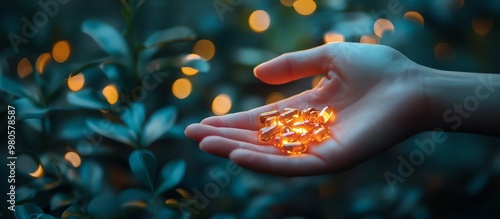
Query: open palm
point(373, 89)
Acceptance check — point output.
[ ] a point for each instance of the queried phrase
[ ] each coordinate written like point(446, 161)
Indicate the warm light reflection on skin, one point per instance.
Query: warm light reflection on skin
point(315, 81)
point(110, 93)
point(414, 16)
point(205, 49)
point(73, 158)
point(333, 37)
point(61, 51)
point(181, 88)
point(24, 68)
point(221, 104)
point(259, 21)
point(304, 7)
point(382, 25)
point(76, 82)
point(38, 172)
point(42, 61)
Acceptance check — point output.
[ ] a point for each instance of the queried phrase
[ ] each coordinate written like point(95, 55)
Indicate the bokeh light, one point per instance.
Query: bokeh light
point(414, 16)
point(304, 7)
point(61, 51)
point(110, 93)
point(73, 158)
point(42, 61)
point(205, 49)
point(181, 88)
point(189, 71)
point(382, 25)
point(288, 3)
point(443, 51)
point(332, 37)
point(259, 21)
point(221, 104)
point(76, 82)
point(368, 39)
point(482, 26)
point(24, 68)
point(171, 201)
point(274, 97)
point(38, 172)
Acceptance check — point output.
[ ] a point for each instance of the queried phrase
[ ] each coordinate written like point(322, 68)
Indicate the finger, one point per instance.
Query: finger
point(297, 165)
point(200, 131)
point(249, 119)
point(222, 147)
point(292, 66)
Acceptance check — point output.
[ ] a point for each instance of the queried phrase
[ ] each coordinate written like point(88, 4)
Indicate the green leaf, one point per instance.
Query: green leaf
point(158, 125)
point(107, 37)
point(103, 206)
point(181, 61)
point(60, 200)
point(88, 98)
point(196, 63)
point(42, 216)
point(170, 175)
point(13, 87)
point(45, 183)
point(192, 207)
point(112, 130)
point(27, 109)
point(134, 116)
point(91, 175)
point(73, 213)
point(24, 193)
point(26, 211)
point(143, 164)
point(169, 35)
point(134, 194)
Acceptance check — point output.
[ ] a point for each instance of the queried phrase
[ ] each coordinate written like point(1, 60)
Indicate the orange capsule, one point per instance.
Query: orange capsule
point(285, 129)
point(266, 133)
point(273, 120)
point(294, 148)
point(263, 116)
point(302, 126)
point(313, 116)
point(289, 137)
point(305, 114)
point(305, 138)
point(288, 109)
point(321, 133)
point(277, 141)
point(325, 114)
point(289, 116)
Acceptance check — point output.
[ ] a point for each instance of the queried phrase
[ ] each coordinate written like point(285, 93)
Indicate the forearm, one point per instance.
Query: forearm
point(462, 102)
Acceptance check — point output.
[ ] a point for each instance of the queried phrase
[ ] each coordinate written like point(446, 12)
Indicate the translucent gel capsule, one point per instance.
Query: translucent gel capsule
point(266, 133)
point(325, 114)
point(289, 137)
point(285, 129)
point(302, 126)
point(263, 116)
point(321, 133)
point(305, 114)
point(305, 138)
point(313, 116)
point(277, 141)
point(273, 120)
point(294, 148)
point(289, 116)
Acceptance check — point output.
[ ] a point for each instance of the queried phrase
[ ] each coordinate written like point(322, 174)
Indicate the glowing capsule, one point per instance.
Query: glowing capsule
point(306, 113)
point(289, 116)
point(266, 133)
point(273, 120)
point(285, 129)
point(321, 133)
point(305, 138)
point(302, 126)
point(289, 137)
point(313, 116)
point(294, 148)
point(263, 116)
point(277, 141)
point(325, 114)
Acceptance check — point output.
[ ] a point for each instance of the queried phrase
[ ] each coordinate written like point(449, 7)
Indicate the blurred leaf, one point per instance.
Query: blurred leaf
point(44, 183)
point(158, 124)
point(112, 130)
point(12, 87)
point(171, 174)
point(117, 73)
point(26, 109)
point(143, 164)
point(27, 211)
point(88, 98)
point(134, 194)
point(181, 61)
point(134, 116)
point(73, 213)
point(193, 208)
point(169, 35)
point(103, 206)
point(197, 63)
point(107, 37)
point(24, 193)
point(139, 4)
point(59, 200)
point(92, 176)
point(42, 216)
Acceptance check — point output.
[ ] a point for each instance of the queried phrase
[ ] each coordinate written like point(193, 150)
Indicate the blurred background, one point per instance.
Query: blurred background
point(104, 89)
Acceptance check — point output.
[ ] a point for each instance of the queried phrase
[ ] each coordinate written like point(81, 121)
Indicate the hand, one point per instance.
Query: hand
point(373, 89)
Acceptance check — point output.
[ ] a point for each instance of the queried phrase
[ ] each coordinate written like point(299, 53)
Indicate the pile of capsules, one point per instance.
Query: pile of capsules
point(292, 130)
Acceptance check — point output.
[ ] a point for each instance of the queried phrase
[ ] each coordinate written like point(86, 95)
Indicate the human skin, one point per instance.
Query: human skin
point(380, 98)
